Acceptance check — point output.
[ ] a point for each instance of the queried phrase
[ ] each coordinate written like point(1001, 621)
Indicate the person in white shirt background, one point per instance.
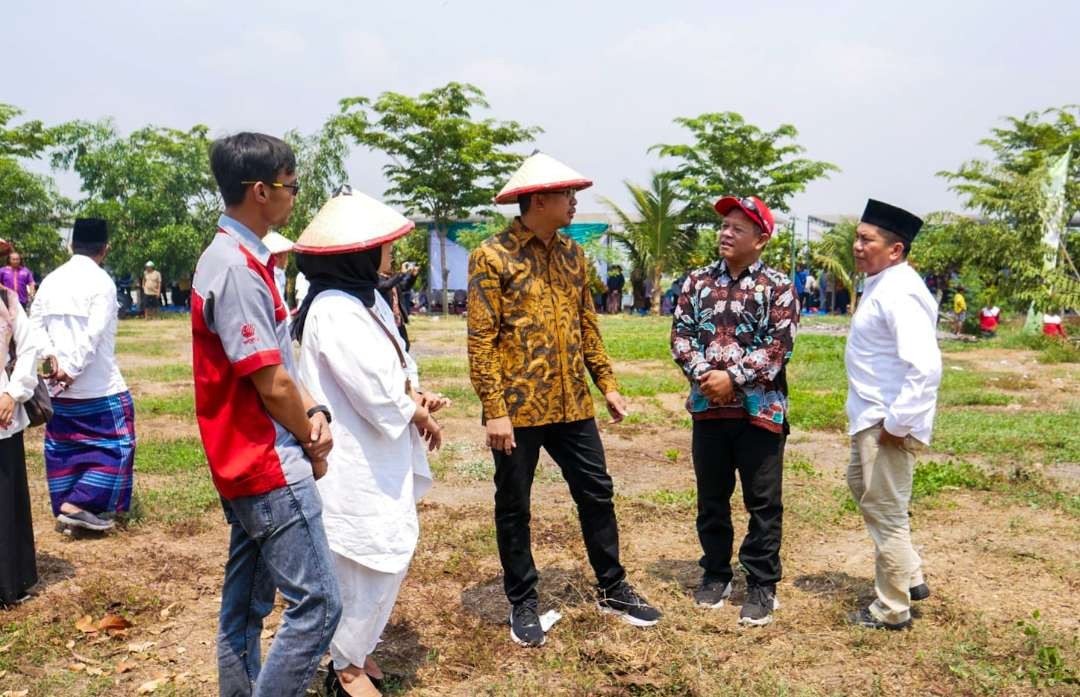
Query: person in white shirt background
point(90, 440)
point(279, 246)
point(18, 570)
point(353, 360)
point(894, 368)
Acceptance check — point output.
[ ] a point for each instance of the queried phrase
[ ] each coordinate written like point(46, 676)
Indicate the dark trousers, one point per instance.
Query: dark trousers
point(18, 563)
point(721, 447)
point(576, 449)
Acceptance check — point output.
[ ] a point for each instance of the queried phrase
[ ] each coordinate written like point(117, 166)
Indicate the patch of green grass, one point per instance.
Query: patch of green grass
point(144, 348)
point(800, 465)
point(682, 498)
point(817, 410)
point(932, 477)
point(181, 498)
point(669, 380)
point(1052, 437)
point(176, 404)
point(630, 338)
point(846, 504)
point(170, 456)
point(443, 367)
point(164, 372)
point(478, 470)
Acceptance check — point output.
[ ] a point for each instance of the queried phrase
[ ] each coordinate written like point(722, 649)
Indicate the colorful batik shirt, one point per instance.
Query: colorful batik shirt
point(745, 326)
point(533, 333)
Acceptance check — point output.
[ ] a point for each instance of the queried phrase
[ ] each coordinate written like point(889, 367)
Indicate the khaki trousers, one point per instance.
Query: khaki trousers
point(880, 481)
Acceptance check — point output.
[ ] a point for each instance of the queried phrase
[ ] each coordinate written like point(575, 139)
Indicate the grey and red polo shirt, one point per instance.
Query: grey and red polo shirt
point(239, 324)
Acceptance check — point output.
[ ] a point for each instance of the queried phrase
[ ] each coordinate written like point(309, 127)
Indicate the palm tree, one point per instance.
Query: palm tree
point(658, 236)
point(835, 254)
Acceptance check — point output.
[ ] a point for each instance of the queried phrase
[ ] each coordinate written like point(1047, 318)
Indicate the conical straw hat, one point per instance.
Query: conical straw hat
point(351, 222)
point(277, 243)
point(540, 173)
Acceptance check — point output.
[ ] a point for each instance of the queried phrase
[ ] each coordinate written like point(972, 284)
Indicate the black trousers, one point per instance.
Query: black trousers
point(18, 568)
point(576, 449)
point(721, 447)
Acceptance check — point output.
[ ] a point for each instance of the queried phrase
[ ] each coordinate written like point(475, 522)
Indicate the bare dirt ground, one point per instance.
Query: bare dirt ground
point(992, 559)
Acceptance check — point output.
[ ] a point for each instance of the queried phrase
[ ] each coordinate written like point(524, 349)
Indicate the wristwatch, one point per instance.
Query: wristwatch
point(320, 408)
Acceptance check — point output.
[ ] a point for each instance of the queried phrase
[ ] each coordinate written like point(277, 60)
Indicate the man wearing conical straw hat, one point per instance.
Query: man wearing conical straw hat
point(378, 468)
point(533, 334)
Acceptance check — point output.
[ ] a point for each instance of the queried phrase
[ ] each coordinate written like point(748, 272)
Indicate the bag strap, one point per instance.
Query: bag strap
point(397, 348)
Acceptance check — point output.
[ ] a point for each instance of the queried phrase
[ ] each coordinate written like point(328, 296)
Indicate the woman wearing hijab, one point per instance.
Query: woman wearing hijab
point(18, 569)
point(353, 360)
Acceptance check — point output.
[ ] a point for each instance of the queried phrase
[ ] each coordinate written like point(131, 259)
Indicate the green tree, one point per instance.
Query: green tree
point(445, 163)
point(835, 253)
point(657, 236)
point(729, 156)
point(32, 211)
point(1005, 248)
point(154, 187)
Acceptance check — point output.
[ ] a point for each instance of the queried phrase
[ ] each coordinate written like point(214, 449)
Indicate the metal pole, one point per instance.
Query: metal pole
point(793, 219)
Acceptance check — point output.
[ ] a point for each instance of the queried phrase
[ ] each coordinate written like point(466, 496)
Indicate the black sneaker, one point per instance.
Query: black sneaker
point(759, 605)
point(712, 592)
point(919, 592)
point(623, 600)
point(525, 627)
point(865, 618)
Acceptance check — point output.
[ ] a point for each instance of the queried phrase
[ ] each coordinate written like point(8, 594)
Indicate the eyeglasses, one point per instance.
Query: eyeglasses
point(749, 204)
point(293, 188)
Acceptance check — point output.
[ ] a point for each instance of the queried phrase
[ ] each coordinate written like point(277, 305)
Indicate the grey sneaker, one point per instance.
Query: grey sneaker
point(525, 629)
point(712, 592)
point(85, 520)
point(759, 605)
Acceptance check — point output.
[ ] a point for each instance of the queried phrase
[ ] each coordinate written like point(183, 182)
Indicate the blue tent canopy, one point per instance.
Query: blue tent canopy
point(579, 232)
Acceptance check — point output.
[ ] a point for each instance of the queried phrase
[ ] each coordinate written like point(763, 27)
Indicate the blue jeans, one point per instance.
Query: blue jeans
point(277, 543)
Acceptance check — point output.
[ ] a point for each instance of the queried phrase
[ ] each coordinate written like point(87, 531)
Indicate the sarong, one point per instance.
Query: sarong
point(90, 453)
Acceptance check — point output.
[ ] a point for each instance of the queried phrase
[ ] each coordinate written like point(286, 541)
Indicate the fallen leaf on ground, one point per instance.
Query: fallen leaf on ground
point(113, 622)
point(70, 644)
point(15, 693)
point(85, 624)
point(94, 670)
point(151, 685)
point(124, 667)
point(3, 673)
point(77, 667)
point(268, 633)
point(140, 646)
point(5, 647)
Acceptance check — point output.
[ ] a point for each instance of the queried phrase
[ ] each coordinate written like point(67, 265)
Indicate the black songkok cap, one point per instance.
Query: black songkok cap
point(90, 231)
point(893, 219)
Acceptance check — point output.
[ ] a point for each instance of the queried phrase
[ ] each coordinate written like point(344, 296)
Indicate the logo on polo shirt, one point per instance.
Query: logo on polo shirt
point(247, 331)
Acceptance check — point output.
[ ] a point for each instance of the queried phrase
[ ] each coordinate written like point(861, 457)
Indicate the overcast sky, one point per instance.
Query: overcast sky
point(890, 93)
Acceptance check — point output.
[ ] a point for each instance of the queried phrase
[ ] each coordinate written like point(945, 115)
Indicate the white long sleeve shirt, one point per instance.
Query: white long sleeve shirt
point(378, 468)
point(75, 313)
point(892, 357)
point(23, 379)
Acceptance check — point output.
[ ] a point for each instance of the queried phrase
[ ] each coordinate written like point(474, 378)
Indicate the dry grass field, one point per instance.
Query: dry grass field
point(996, 519)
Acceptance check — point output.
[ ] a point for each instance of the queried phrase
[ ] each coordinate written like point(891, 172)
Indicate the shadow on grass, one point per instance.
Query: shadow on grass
point(558, 588)
point(52, 569)
point(837, 585)
point(685, 572)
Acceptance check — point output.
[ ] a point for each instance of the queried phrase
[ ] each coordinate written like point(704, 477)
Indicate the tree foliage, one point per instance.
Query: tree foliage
point(657, 236)
point(836, 255)
point(445, 163)
point(33, 211)
point(1005, 249)
point(154, 187)
point(729, 156)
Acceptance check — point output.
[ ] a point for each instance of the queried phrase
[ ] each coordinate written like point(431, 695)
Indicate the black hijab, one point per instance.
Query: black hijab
point(355, 273)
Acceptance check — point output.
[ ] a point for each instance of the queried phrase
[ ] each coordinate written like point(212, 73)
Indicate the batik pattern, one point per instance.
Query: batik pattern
point(743, 325)
point(533, 331)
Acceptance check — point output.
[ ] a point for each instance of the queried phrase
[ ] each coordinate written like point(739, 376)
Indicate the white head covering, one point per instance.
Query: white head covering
point(351, 222)
point(540, 173)
point(277, 243)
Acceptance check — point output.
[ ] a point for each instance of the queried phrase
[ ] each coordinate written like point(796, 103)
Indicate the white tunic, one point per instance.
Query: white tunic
point(378, 468)
point(892, 357)
point(74, 312)
point(23, 379)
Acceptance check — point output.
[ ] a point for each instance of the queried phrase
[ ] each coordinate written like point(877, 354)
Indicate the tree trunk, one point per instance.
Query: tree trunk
point(657, 291)
point(440, 229)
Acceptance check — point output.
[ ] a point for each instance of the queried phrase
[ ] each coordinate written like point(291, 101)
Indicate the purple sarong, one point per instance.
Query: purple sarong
point(90, 453)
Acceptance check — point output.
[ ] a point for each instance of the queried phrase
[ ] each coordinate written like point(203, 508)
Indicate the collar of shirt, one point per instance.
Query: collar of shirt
point(872, 281)
point(242, 234)
point(523, 233)
point(724, 276)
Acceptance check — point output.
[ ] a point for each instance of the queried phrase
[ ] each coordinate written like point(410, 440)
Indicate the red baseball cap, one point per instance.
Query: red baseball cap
point(754, 209)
